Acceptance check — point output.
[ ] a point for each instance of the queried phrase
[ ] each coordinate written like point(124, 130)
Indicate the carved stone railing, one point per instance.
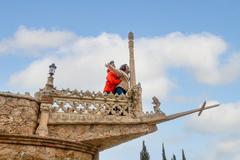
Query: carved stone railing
point(66, 106)
point(92, 103)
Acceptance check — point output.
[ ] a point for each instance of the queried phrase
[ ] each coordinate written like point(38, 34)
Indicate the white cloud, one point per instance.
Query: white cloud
point(198, 53)
point(229, 146)
point(224, 119)
point(34, 76)
point(80, 60)
point(35, 41)
point(222, 125)
point(221, 150)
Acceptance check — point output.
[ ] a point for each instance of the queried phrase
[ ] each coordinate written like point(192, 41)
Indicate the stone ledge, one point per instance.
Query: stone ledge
point(74, 118)
point(47, 142)
point(15, 95)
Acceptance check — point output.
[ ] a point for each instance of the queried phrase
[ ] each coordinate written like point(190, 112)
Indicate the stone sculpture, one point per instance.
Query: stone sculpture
point(65, 124)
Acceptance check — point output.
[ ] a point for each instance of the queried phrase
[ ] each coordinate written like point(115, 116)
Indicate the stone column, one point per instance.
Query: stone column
point(46, 103)
point(131, 59)
point(137, 100)
point(42, 129)
point(49, 84)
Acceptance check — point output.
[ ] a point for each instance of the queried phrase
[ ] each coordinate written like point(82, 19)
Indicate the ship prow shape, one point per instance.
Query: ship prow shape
point(102, 120)
point(78, 124)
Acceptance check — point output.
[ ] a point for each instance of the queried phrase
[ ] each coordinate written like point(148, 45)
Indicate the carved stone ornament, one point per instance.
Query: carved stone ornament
point(156, 104)
point(45, 107)
point(92, 103)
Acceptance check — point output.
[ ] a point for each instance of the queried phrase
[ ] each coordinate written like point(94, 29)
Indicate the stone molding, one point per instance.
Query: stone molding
point(72, 118)
point(47, 142)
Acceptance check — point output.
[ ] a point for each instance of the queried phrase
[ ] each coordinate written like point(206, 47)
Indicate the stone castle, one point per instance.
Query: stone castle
point(75, 125)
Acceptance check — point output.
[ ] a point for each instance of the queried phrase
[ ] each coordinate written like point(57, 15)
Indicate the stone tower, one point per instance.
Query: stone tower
point(72, 124)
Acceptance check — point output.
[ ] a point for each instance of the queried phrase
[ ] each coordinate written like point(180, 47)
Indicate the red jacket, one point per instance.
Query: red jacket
point(112, 81)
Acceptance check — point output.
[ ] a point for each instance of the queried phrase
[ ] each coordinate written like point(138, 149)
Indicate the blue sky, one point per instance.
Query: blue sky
point(196, 50)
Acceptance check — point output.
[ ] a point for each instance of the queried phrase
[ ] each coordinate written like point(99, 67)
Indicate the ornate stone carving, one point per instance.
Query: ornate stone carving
point(23, 155)
point(45, 107)
point(156, 106)
point(136, 94)
point(91, 103)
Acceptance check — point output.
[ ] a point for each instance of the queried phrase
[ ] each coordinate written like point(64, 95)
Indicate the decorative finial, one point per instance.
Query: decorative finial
point(130, 35)
point(52, 69)
point(156, 104)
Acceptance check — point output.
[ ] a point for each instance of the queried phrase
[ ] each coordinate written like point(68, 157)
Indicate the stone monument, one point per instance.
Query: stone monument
point(73, 124)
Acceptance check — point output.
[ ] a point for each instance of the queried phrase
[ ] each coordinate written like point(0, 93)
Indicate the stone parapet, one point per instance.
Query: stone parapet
point(18, 114)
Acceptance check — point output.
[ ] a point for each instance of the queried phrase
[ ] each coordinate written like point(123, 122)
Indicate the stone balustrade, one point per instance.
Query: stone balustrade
point(91, 103)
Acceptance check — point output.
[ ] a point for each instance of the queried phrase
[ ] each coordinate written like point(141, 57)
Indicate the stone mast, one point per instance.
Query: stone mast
point(131, 59)
point(133, 85)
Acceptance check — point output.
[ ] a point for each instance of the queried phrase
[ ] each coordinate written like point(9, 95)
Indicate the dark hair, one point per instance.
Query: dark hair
point(112, 63)
point(123, 67)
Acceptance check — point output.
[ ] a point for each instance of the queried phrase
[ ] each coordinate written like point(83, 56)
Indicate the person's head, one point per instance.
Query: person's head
point(112, 63)
point(125, 68)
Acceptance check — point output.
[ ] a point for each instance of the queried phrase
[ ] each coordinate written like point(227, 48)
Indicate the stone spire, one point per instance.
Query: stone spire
point(131, 59)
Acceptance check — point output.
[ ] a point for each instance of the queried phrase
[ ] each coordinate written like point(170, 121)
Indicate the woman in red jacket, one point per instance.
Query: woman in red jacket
point(112, 80)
